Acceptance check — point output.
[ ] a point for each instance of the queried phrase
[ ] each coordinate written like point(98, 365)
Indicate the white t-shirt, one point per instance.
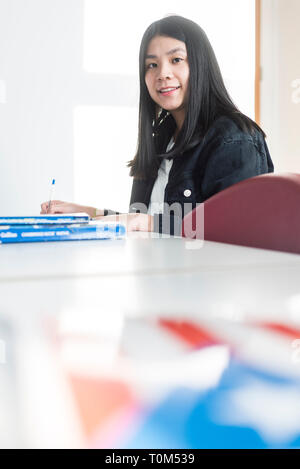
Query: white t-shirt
point(156, 204)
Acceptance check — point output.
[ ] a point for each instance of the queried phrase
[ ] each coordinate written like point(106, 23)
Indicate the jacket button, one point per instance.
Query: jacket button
point(187, 193)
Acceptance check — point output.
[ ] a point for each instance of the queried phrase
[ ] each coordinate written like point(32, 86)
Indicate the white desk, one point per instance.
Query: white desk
point(141, 275)
point(109, 294)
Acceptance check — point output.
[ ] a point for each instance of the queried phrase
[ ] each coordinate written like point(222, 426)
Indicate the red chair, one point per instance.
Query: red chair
point(261, 212)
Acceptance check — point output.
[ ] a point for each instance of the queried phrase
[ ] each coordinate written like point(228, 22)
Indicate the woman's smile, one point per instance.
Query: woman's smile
point(168, 91)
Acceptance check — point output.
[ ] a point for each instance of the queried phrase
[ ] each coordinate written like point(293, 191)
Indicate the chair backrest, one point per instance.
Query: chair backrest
point(261, 212)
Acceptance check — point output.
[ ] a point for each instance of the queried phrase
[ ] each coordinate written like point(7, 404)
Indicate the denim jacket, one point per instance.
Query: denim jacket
point(225, 156)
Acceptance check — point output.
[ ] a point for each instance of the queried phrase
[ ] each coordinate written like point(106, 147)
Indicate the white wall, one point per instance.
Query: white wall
point(42, 72)
point(280, 84)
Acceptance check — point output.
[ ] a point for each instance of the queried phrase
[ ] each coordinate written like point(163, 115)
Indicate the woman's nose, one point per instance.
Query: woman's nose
point(164, 71)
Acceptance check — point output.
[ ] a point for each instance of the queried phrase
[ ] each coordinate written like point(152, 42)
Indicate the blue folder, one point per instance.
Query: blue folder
point(38, 233)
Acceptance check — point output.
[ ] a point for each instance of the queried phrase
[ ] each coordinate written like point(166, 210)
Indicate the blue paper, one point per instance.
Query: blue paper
point(247, 409)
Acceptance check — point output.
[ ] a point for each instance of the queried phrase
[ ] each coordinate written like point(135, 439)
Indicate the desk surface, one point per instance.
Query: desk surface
point(101, 338)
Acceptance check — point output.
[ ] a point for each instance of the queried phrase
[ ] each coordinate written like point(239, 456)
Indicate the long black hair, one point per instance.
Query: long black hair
point(208, 99)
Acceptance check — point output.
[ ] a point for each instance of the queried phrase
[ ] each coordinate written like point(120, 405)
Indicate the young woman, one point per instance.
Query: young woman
point(193, 141)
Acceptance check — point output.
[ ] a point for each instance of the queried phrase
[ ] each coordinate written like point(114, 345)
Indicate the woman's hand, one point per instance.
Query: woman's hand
point(132, 221)
point(58, 206)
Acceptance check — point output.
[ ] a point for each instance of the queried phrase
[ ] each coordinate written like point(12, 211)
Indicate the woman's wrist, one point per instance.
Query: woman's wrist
point(151, 223)
point(146, 222)
point(94, 212)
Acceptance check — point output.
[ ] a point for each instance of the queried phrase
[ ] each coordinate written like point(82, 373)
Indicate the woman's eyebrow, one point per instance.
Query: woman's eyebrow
point(172, 51)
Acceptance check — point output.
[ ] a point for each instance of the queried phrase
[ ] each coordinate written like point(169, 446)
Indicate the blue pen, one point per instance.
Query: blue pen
point(51, 194)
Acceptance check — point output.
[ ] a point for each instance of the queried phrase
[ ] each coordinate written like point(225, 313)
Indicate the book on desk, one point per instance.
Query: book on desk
point(61, 219)
point(66, 227)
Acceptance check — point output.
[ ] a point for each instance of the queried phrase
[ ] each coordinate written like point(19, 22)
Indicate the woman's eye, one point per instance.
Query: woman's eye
point(154, 65)
point(151, 65)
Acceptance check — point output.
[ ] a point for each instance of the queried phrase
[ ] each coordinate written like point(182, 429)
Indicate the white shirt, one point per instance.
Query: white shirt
point(156, 204)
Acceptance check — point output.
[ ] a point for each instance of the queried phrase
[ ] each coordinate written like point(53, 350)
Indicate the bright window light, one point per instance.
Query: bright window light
point(105, 139)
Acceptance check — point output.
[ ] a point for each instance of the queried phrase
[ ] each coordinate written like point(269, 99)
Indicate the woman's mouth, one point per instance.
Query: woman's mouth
point(168, 91)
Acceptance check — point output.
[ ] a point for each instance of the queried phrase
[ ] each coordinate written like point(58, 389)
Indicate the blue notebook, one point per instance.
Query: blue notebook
point(62, 219)
point(38, 233)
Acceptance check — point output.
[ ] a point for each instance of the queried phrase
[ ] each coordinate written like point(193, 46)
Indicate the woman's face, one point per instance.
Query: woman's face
point(166, 67)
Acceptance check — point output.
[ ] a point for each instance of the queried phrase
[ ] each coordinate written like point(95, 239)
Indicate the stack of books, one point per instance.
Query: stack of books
point(66, 227)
